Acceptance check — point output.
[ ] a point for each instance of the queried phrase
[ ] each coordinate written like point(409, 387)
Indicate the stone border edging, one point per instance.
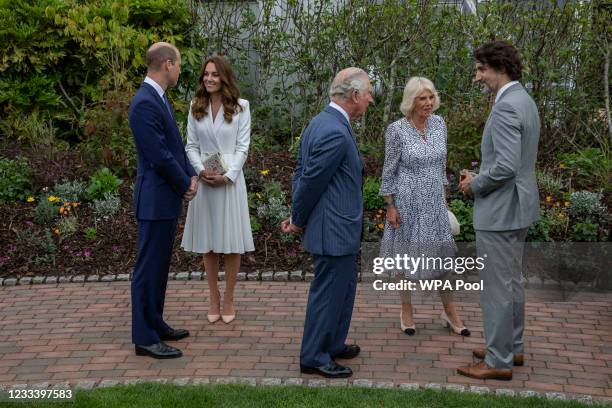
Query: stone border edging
point(281, 276)
point(313, 382)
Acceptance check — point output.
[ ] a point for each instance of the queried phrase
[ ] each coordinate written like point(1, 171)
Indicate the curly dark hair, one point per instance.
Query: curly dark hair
point(502, 57)
point(229, 90)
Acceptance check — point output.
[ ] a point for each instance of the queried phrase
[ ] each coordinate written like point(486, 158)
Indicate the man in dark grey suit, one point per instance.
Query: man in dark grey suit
point(506, 203)
point(327, 206)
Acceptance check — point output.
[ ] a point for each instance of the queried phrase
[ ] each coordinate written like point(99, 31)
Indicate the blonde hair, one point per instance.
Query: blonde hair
point(414, 87)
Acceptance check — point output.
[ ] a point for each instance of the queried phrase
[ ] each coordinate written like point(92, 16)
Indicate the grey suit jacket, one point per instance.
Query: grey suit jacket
point(505, 191)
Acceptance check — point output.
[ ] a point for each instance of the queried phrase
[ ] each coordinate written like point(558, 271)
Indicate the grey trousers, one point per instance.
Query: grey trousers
point(502, 299)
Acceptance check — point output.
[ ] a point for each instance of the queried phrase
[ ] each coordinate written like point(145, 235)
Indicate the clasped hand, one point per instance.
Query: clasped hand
point(287, 227)
point(212, 178)
point(192, 191)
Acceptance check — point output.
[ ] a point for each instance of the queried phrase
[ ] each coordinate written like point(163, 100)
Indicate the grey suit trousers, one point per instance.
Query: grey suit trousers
point(502, 299)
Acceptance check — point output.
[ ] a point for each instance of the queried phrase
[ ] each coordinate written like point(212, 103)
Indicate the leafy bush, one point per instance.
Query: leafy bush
point(43, 247)
point(106, 207)
point(274, 210)
point(549, 184)
point(584, 232)
point(371, 198)
point(590, 166)
point(70, 191)
point(585, 205)
point(465, 214)
point(45, 211)
point(102, 182)
point(91, 233)
point(67, 226)
point(14, 179)
point(255, 225)
point(274, 189)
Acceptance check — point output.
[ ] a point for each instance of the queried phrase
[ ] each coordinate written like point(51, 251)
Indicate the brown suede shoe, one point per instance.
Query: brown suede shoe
point(482, 371)
point(480, 353)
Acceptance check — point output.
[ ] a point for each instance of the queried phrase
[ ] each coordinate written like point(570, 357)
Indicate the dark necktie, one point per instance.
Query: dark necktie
point(167, 103)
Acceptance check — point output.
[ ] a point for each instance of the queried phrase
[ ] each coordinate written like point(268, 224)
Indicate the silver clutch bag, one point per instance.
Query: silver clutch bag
point(455, 227)
point(216, 163)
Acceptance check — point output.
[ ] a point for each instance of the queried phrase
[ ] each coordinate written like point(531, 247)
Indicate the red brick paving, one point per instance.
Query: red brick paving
point(73, 332)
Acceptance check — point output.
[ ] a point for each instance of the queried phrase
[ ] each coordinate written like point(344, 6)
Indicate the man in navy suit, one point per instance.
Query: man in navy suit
point(164, 178)
point(327, 206)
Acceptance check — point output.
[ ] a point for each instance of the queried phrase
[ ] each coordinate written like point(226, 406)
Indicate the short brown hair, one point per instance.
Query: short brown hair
point(159, 53)
point(502, 57)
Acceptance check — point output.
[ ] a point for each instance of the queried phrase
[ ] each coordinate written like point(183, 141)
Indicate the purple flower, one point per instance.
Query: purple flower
point(12, 248)
point(4, 259)
point(87, 253)
point(66, 247)
point(116, 248)
point(474, 163)
point(29, 223)
point(291, 252)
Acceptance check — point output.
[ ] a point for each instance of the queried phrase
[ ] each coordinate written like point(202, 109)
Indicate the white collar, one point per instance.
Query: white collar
point(155, 85)
point(503, 88)
point(342, 111)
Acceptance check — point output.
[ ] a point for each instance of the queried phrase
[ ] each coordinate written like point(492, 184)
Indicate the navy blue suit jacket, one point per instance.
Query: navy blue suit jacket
point(327, 198)
point(164, 173)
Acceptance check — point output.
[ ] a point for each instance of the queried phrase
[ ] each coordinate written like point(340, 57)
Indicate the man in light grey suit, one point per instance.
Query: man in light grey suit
point(506, 203)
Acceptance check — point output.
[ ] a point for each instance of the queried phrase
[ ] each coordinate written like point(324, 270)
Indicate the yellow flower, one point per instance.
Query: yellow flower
point(548, 199)
point(381, 226)
point(30, 199)
point(561, 165)
point(53, 199)
point(56, 231)
point(258, 195)
point(264, 172)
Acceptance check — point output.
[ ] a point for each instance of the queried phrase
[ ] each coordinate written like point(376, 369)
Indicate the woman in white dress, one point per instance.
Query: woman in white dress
point(218, 217)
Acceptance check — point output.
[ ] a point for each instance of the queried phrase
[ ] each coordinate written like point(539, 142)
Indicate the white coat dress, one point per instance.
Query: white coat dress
point(218, 217)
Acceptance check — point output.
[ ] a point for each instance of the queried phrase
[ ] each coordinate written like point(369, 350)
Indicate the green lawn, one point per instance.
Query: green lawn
point(158, 395)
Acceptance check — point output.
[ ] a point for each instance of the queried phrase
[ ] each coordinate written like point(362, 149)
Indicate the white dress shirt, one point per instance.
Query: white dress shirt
point(503, 88)
point(155, 85)
point(342, 111)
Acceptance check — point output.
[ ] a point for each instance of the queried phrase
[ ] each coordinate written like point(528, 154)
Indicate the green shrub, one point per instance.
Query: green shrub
point(255, 225)
point(91, 233)
point(43, 247)
point(372, 200)
point(464, 213)
point(15, 178)
point(106, 207)
point(540, 231)
point(67, 226)
point(102, 182)
point(585, 205)
point(590, 166)
point(45, 211)
point(274, 210)
point(549, 184)
point(70, 191)
point(584, 232)
point(274, 189)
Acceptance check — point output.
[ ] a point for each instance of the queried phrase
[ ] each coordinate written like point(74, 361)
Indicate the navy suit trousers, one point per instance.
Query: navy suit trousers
point(149, 280)
point(329, 309)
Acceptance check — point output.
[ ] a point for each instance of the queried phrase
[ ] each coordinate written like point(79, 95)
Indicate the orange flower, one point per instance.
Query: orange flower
point(566, 203)
point(548, 199)
point(61, 210)
point(56, 231)
point(557, 204)
point(381, 226)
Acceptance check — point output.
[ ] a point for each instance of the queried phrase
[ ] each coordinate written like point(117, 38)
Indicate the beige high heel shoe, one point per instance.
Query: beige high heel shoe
point(409, 330)
point(462, 331)
point(214, 317)
point(228, 318)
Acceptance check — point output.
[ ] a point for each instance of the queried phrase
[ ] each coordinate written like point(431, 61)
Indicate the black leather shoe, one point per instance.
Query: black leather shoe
point(159, 350)
point(174, 334)
point(329, 370)
point(350, 351)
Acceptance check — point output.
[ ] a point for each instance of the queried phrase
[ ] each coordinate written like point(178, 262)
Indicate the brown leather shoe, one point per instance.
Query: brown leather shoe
point(482, 371)
point(480, 353)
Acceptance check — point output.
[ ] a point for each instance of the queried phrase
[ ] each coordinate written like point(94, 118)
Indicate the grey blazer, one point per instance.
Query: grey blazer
point(505, 191)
